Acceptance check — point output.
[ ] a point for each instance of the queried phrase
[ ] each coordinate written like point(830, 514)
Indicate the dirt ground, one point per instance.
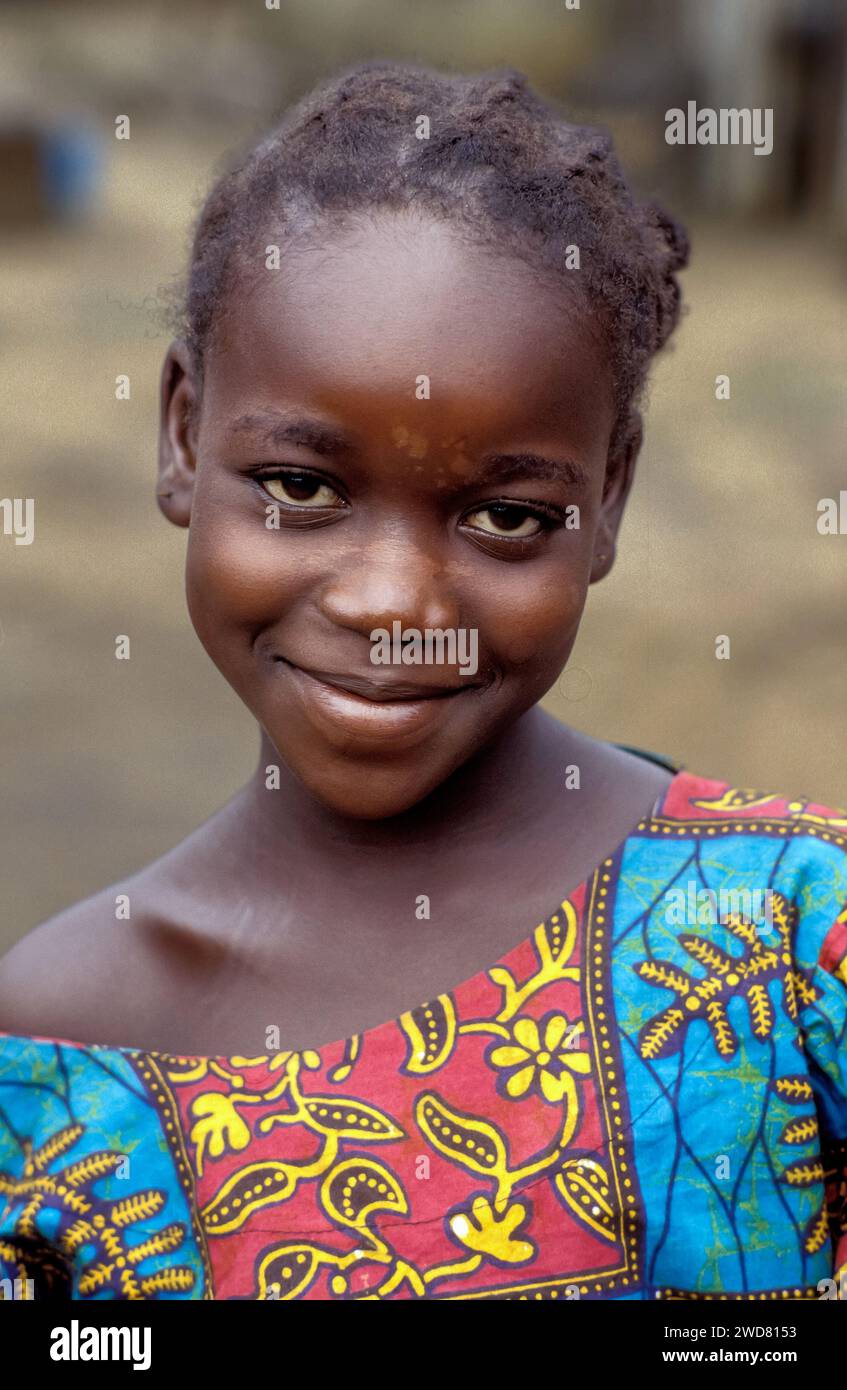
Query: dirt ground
point(106, 763)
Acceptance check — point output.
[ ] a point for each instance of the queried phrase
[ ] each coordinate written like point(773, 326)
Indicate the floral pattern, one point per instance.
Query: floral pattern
point(544, 1060)
point(619, 1108)
point(746, 976)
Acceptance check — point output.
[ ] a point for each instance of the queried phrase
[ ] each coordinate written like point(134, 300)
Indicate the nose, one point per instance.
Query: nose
point(392, 579)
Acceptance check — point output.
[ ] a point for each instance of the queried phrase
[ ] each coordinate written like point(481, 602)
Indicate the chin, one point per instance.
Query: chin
point(366, 791)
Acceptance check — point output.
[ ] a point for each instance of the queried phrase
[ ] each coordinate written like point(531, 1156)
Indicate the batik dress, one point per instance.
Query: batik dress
point(646, 1098)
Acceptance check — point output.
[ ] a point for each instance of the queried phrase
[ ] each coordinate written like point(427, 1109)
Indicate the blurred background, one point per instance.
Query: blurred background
point(106, 764)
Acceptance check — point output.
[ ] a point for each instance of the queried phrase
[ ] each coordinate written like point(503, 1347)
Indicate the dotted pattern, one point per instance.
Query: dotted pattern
point(154, 1080)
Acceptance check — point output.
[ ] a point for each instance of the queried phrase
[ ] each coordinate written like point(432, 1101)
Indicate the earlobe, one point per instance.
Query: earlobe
point(177, 444)
point(602, 560)
point(620, 469)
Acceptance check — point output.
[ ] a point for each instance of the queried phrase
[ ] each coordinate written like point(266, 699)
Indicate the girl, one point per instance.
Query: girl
point(404, 402)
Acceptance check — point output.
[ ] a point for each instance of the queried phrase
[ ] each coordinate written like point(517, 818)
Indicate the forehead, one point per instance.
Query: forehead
point(361, 311)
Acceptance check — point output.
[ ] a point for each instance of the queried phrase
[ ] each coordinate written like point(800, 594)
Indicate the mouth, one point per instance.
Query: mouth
point(382, 691)
point(361, 709)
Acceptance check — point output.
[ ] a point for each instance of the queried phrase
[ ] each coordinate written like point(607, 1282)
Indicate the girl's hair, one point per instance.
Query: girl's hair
point(497, 161)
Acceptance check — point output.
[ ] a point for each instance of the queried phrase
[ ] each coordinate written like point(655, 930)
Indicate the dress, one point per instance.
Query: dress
point(646, 1098)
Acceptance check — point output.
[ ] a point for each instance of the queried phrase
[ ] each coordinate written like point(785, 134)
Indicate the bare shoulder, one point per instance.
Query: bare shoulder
point(72, 975)
point(116, 966)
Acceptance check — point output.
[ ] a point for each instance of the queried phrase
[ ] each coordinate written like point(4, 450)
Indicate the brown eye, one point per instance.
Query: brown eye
point(301, 490)
point(504, 519)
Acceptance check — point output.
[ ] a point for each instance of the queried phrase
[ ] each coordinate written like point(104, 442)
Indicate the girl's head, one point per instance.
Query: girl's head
point(422, 410)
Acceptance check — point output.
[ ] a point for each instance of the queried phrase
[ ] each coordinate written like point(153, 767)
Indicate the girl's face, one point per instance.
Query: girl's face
point(395, 428)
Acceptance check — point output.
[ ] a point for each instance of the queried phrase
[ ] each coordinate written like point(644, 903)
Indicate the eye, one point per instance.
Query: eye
point(506, 519)
point(301, 490)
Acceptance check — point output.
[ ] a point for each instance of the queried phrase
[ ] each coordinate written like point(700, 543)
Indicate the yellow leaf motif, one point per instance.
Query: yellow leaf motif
point(94, 1278)
point(838, 821)
point(803, 1174)
point(169, 1238)
point(584, 1185)
point(95, 1165)
point(800, 1131)
point(287, 1271)
point(358, 1187)
point(111, 1266)
point(735, 799)
point(139, 1206)
point(218, 1127)
point(63, 1139)
point(474, 1143)
point(167, 1281)
point(555, 940)
point(659, 1032)
point(308, 1058)
point(483, 1230)
point(747, 976)
point(795, 1089)
point(349, 1119)
point(431, 1034)
point(721, 1030)
point(761, 1011)
point(661, 972)
point(256, 1186)
point(817, 1232)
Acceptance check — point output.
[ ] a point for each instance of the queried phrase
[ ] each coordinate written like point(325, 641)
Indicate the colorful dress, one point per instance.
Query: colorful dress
point(645, 1098)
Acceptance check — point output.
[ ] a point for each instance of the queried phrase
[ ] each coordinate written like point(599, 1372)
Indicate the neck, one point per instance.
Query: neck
point(497, 791)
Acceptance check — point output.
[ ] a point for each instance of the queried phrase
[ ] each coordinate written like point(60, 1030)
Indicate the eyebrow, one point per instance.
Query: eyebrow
point(503, 468)
point(276, 427)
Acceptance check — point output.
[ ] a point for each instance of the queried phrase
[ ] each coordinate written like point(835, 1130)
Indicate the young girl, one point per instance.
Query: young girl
point(404, 403)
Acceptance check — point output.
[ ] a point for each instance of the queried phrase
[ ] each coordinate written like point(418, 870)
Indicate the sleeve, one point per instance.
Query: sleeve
point(32, 1265)
point(92, 1201)
point(824, 1023)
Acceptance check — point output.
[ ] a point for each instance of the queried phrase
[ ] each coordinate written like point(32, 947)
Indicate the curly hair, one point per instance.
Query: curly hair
point(499, 162)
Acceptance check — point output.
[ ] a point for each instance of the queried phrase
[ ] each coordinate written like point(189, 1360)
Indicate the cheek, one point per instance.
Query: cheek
point(534, 626)
point(239, 573)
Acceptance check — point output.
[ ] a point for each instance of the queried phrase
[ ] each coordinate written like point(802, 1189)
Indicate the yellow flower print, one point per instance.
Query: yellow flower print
point(542, 1059)
point(219, 1127)
point(309, 1058)
point(489, 1232)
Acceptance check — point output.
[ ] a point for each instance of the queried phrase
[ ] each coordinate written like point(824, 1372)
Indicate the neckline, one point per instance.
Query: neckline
point(379, 1031)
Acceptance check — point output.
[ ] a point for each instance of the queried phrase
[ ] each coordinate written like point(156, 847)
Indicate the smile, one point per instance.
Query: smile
point(370, 709)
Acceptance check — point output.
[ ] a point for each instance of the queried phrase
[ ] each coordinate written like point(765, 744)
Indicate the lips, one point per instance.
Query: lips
point(381, 691)
point(357, 711)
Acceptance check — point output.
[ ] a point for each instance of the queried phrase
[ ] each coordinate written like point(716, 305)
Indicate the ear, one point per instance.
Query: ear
point(620, 471)
point(178, 413)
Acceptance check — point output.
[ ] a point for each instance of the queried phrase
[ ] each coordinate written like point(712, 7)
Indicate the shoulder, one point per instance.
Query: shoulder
point(61, 972)
point(84, 974)
point(788, 845)
point(111, 966)
point(722, 808)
